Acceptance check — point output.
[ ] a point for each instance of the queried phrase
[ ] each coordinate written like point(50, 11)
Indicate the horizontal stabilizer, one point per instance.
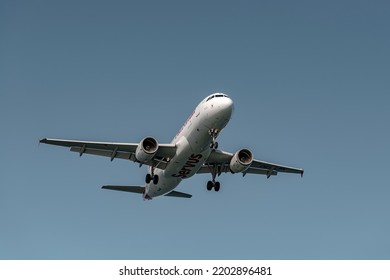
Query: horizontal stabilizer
point(133, 189)
point(178, 194)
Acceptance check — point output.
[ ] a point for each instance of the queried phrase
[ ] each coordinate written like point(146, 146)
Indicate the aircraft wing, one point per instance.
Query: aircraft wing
point(114, 150)
point(220, 160)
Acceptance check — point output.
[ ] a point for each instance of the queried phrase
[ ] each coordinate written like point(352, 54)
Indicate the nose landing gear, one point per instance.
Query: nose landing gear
point(213, 134)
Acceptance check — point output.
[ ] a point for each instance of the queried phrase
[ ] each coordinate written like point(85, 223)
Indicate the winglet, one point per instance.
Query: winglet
point(302, 173)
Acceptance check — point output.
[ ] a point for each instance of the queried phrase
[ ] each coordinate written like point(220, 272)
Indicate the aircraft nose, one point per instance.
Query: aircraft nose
point(227, 106)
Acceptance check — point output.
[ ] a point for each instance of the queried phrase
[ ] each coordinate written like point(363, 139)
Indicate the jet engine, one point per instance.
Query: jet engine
point(146, 149)
point(241, 161)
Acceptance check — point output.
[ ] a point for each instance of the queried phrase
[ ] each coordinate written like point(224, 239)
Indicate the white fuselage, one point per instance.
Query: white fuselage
point(192, 143)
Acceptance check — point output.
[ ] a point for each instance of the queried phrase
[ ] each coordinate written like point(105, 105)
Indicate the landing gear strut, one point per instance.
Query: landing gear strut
point(213, 134)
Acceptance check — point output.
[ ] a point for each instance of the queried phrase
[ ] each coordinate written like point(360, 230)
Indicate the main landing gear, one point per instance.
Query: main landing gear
point(213, 184)
point(213, 134)
point(151, 177)
point(214, 170)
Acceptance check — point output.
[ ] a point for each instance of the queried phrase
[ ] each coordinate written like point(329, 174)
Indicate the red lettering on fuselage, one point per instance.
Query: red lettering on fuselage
point(187, 168)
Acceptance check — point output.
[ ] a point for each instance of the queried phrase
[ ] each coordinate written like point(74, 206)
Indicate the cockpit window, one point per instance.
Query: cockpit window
point(211, 97)
point(216, 95)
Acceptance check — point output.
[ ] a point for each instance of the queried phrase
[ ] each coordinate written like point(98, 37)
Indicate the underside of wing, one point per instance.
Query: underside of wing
point(119, 150)
point(222, 162)
point(258, 164)
point(226, 169)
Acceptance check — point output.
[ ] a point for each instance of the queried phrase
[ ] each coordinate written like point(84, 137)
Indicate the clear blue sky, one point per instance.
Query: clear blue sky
point(311, 86)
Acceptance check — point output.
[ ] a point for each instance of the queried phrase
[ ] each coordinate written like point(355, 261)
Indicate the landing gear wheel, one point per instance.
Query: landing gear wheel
point(217, 186)
point(214, 145)
point(148, 178)
point(210, 185)
point(155, 179)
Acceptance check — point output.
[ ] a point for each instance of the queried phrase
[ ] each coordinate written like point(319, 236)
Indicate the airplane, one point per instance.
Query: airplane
point(194, 150)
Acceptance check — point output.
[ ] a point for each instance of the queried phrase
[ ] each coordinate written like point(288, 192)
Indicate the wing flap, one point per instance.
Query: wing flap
point(104, 153)
point(252, 170)
point(225, 169)
point(111, 146)
point(276, 167)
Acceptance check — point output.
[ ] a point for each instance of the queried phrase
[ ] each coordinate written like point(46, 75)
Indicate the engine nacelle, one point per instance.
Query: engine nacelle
point(146, 149)
point(241, 161)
